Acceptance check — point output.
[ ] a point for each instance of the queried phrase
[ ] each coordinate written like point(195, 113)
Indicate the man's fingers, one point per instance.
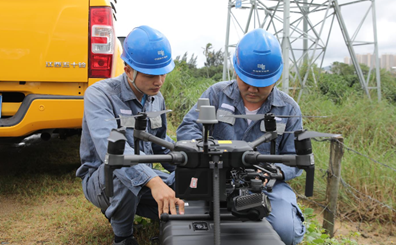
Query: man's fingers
point(160, 209)
point(165, 208)
point(165, 198)
point(266, 180)
point(180, 204)
point(173, 207)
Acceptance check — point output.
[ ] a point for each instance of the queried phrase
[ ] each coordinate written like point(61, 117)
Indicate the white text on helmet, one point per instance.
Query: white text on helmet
point(262, 67)
point(161, 58)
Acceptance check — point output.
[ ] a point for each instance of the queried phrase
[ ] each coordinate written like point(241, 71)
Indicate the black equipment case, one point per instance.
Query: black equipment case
point(196, 228)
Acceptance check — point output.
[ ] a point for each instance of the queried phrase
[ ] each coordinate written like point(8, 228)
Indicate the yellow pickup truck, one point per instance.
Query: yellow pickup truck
point(50, 52)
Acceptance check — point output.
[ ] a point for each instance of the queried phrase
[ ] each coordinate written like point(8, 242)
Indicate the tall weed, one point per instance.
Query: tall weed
point(369, 160)
point(181, 92)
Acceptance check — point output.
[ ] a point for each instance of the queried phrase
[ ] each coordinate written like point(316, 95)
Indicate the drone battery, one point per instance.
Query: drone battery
point(201, 231)
point(197, 184)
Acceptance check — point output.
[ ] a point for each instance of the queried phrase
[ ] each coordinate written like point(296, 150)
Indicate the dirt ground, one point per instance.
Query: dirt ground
point(369, 233)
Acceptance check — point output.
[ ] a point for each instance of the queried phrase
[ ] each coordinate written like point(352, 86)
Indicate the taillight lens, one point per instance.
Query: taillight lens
point(102, 42)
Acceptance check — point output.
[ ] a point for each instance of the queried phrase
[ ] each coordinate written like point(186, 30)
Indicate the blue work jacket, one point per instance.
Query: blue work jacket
point(104, 103)
point(226, 99)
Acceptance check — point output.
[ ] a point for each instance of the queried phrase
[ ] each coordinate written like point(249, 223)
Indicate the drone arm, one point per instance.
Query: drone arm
point(250, 158)
point(267, 137)
point(114, 161)
point(177, 158)
point(157, 149)
point(143, 135)
point(301, 161)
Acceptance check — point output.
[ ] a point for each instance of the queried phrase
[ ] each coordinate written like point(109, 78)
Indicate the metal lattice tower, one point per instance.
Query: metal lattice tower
point(303, 27)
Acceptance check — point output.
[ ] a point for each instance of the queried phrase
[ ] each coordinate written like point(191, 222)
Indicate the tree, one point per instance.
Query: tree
point(214, 61)
point(213, 57)
point(342, 69)
point(192, 62)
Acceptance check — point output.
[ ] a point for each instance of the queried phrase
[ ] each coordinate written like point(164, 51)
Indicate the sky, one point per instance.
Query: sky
point(190, 25)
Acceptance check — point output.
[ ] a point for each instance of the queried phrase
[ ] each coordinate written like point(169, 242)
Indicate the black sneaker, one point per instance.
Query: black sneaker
point(128, 241)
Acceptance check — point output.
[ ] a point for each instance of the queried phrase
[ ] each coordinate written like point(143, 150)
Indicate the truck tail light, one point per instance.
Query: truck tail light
point(101, 42)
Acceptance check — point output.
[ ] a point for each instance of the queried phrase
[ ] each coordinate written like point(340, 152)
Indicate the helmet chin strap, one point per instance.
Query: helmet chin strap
point(133, 81)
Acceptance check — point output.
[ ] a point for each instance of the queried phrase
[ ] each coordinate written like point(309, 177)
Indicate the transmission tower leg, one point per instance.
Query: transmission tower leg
point(286, 46)
point(349, 45)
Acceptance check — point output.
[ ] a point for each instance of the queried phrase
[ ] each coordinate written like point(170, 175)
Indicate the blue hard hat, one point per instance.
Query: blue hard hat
point(258, 59)
point(148, 51)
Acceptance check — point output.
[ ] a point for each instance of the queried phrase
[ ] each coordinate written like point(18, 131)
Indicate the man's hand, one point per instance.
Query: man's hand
point(266, 180)
point(165, 197)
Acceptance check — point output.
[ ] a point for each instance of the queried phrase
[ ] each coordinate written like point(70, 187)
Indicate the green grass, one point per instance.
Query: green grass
point(42, 200)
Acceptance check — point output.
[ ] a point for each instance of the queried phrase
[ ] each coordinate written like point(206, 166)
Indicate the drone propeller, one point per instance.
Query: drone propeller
point(129, 121)
point(256, 117)
point(151, 114)
point(303, 135)
point(313, 134)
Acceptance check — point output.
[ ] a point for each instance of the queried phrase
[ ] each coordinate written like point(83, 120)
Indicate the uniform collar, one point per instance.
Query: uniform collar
point(275, 98)
point(127, 92)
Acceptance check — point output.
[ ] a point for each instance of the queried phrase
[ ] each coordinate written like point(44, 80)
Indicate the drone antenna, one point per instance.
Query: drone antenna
point(201, 102)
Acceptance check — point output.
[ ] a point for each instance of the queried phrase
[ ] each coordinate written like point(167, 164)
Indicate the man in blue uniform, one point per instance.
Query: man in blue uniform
point(138, 189)
point(258, 66)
